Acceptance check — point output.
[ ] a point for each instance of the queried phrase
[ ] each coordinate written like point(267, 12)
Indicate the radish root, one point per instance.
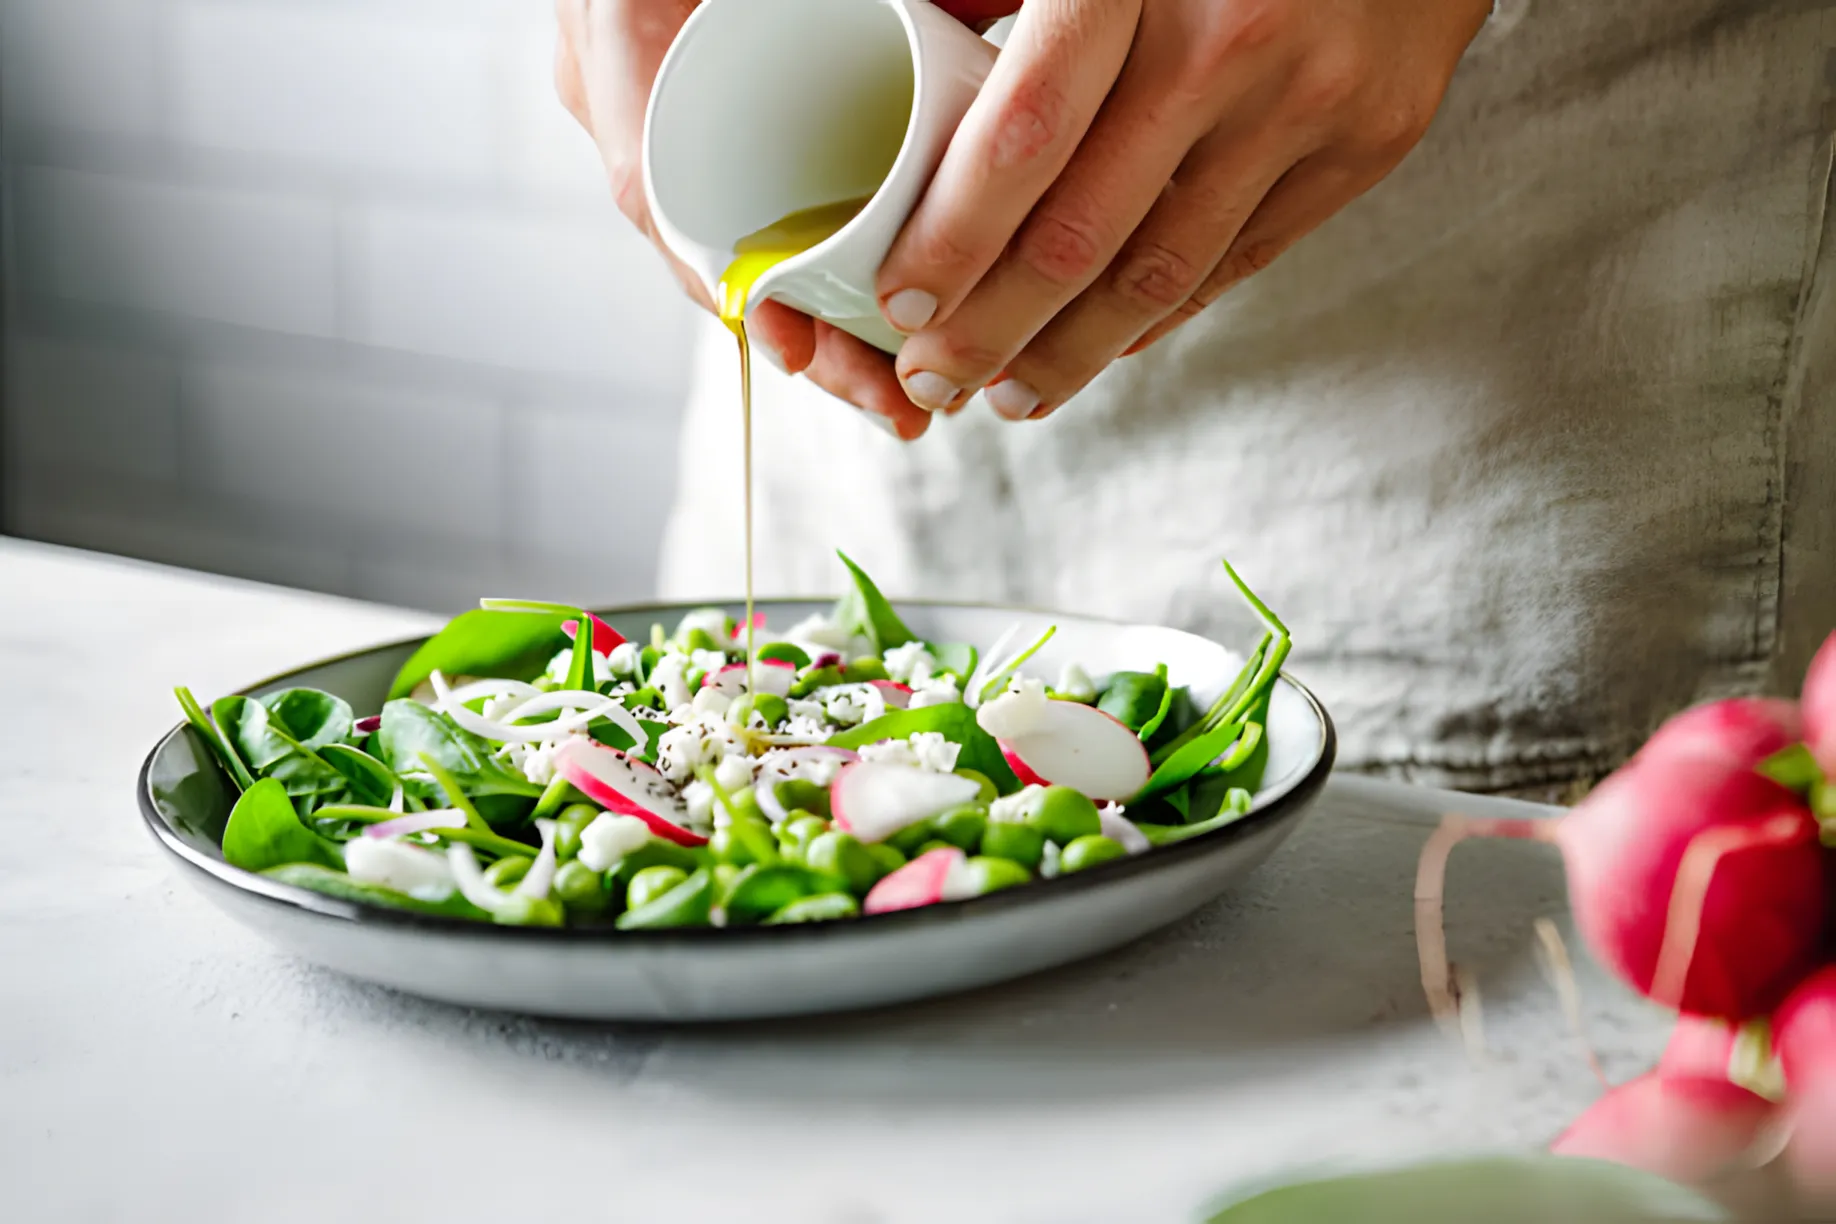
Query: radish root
point(1689, 894)
point(1430, 881)
point(1561, 973)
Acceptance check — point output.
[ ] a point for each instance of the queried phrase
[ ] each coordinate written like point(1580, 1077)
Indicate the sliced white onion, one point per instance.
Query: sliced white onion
point(601, 707)
point(419, 822)
point(766, 792)
point(1122, 830)
point(398, 802)
point(535, 703)
point(989, 666)
point(538, 733)
point(490, 688)
point(470, 878)
point(541, 874)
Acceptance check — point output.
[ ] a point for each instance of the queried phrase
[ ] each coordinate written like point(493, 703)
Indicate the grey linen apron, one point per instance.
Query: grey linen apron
point(1532, 446)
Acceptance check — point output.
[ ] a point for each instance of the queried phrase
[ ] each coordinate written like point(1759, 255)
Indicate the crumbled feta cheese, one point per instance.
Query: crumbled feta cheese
point(1016, 808)
point(712, 701)
point(889, 752)
point(1074, 682)
point(1019, 711)
point(406, 869)
point(734, 772)
point(845, 704)
point(562, 663)
point(783, 763)
point(924, 750)
point(703, 740)
point(709, 661)
point(1048, 860)
point(803, 708)
point(938, 690)
point(698, 797)
point(537, 761)
point(804, 727)
point(624, 659)
point(669, 678)
point(911, 663)
point(609, 839)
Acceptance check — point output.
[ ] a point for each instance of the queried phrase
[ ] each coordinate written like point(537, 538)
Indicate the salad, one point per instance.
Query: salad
point(534, 767)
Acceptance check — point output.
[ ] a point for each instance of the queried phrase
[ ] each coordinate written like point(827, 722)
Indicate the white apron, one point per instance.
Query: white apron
point(1531, 447)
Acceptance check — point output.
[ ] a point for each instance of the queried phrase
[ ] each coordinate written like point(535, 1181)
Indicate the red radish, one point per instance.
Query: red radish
point(775, 677)
point(627, 786)
point(875, 799)
point(1740, 730)
point(1694, 878)
point(739, 626)
point(1081, 747)
point(1686, 1128)
point(1699, 1046)
point(897, 696)
point(1804, 1034)
point(606, 639)
point(1819, 703)
point(923, 881)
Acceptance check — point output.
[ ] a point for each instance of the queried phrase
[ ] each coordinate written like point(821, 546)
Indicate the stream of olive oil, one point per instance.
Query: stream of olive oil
point(754, 256)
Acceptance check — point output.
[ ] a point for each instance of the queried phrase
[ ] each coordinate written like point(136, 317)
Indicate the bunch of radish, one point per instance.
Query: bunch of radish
point(1698, 874)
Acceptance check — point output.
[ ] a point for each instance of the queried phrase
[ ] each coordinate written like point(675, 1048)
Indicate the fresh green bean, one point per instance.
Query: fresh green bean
point(689, 903)
point(1087, 852)
point(650, 884)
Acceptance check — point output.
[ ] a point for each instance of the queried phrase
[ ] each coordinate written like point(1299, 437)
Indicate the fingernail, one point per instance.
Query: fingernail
point(885, 423)
point(1013, 400)
point(932, 392)
point(910, 309)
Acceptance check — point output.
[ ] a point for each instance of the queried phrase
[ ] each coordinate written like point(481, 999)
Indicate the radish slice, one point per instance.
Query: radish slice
point(923, 881)
point(1021, 769)
point(1081, 747)
point(739, 626)
point(1121, 830)
point(368, 726)
point(874, 800)
point(775, 677)
point(896, 696)
point(419, 822)
point(606, 639)
point(622, 784)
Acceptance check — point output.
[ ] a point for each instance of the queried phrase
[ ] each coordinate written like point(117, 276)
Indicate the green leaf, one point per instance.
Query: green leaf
point(1793, 768)
point(864, 610)
point(1137, 699)
point(1227, 805)
point(1194, 755)
point(455, 794)
point(957, 658)
point(212, 734)
point(191, 789)
point(487, 642)
point(264, 831)
point(337, 884)
point(998, 681)
point(1261, 609)
point(411, 731)
point(580, 664)
point(271, 751)
point(1536, 1189)
point(311, 716)
point(955, 722)
point(370, 780)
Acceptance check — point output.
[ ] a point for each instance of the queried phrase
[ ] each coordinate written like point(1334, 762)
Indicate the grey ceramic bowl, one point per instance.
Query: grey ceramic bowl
point(747, 972)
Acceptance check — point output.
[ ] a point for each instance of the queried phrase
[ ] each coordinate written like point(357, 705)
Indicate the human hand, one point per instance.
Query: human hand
point(1130, 160)
point(606, 59)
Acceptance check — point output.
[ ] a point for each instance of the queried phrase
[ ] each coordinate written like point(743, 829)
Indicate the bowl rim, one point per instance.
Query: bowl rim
point(293, 897)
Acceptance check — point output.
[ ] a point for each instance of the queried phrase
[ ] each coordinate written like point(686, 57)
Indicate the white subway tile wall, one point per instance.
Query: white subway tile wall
point(330, 293)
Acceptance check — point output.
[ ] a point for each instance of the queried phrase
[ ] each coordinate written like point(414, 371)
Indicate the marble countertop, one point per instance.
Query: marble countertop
point(159, 1062)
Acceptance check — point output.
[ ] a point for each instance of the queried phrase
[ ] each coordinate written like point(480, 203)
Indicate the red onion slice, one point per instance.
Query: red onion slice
point(418, 822)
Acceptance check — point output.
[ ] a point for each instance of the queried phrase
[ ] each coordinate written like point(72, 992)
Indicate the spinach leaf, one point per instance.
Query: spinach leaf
point(486, 642)
point(370, 781)
point(955, 722)
point(264, 831)
point(337, 884)
point(271, 751)
point(993, 686)
point(190, 789)
point(957, 658)
point(1137, 699)
point(411, 731)
point(1227, 808)
point(312, 717)
point(865, 611)
point(212, 734)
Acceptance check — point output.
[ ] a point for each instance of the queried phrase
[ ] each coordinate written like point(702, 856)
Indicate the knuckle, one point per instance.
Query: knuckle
point(1245, 261)
point(1330, 80)
point(1235, 29)
point(1062, 249)
point(1391, 133)
point(1156, 277)
point(1030, 122)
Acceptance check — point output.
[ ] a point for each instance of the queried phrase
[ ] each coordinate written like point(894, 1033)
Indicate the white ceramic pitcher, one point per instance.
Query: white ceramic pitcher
point(763, 108)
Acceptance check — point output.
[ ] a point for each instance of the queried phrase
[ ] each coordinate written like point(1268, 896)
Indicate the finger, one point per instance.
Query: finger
point(861, 374)
point(1192, 223)
point(1018, 135)
point(568, 85)
point(1305, 198)
point(787, 336)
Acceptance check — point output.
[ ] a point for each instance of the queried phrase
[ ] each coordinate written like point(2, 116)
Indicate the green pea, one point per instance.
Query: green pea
point(530, 911)
point(580, 888)
point(841, 855)
point(864, 669)
point(646, 698)
point(785, 652)
point(907, 840)
point(823, 907)
point(658, 853)
point(1087, 852)
point(1064, 815)
point(988, 793)
point(1020, 842)
point(889, 859)
point(744, 841)
point(985, 874)
point(768, 706)
point(796, 833)
point(936, 843)
point(760, 892)
point(805, 794)
point(698, 639)
point(687, 904)
point(651, 883)
point(569, 825)
point(507, 871)
point(962, 827)
point(811, 679)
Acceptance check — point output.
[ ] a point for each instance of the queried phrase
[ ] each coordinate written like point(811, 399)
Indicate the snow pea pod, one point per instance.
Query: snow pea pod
point(760, 892)
point(687, 904)
point(1087, 852)
point(652, 882)
point(823, 907)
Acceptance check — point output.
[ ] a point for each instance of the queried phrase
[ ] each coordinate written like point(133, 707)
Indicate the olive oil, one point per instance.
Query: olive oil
point(754, 256)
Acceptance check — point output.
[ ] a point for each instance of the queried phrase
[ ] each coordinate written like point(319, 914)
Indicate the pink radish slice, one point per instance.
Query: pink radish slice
point(1021, 769)
point(897, 696)
point(606, 639)
point(739, 626)
point(875, 799)
point(923, 881)
point(1819, 706)
point(775, 677)
point(368, 726)
point(628, 787)
point(1081, 747)
point(1686, 1128)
